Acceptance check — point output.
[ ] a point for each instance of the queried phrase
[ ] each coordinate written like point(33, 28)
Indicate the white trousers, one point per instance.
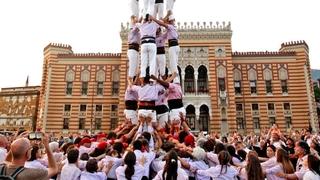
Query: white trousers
point(174, 115)
point(163, 119)
point(158, 9)
point(148, 113)
point(131, 115)
point(133, 57)
point(148, 57)
point(173, 58)
point(148, 7)
point(161, 64)
point(134, 7)
point(170, 4)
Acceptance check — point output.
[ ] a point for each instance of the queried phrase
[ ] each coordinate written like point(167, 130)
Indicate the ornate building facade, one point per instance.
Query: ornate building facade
point(18, 107)
point(224, 91)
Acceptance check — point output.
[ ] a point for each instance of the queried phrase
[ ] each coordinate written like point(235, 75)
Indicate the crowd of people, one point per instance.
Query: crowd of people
point(129, 152)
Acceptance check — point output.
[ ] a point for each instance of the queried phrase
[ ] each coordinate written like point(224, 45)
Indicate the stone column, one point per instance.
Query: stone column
point(196, 82)
point(182, 82)
point(197, 122)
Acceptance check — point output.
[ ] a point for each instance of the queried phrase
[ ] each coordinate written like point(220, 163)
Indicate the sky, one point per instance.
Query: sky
point(27, 26)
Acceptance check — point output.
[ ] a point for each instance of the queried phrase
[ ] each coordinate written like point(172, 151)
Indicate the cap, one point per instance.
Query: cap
point(85, 140)
point(189, 140)
point(102, 145)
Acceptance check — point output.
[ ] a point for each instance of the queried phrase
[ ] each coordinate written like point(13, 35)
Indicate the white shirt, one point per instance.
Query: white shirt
point(213, 159)
point(35, 164)
point(300, 168)
point(116, 163)
point(271, 172)
point(70, 172)
point(182, 175)
point(269, 163)
point(149, 157)
point(199, 165)
point(138, 172)
point(3, 154)
point(83, 149)
point(214, 172)
point(309, 175)
point(81, 164)
point(90, 176)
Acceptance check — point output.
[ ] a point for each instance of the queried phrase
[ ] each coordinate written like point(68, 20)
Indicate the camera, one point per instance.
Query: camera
point(35, 136)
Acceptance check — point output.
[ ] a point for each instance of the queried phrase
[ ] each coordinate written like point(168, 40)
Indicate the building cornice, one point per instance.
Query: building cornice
point(90, 55)
point(263, 54)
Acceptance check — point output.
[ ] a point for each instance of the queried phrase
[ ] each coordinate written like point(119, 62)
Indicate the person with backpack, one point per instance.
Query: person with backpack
point(20, 152)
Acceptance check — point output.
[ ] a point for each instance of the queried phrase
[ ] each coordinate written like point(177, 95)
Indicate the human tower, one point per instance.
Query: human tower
point(153, 96)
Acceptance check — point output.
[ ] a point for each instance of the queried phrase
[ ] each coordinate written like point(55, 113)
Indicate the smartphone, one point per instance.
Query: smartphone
point(32, 136)
point(38, 135)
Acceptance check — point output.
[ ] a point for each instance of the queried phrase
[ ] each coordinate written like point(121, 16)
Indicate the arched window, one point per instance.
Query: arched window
point(237, 75)
point(115, 82)
point(70, 76)
point(202, 79)
point(252, 74)
point(283, 74)
point(267, 74)
point(237, 81)
point(191, 116)
point(189, 80)
point(100, 78)
point(85, 76)
point(204, 118)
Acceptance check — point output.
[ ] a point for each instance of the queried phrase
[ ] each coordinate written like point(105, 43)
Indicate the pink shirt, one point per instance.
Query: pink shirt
point(161, 40)
point(148, 29)
point(134, 35)
point(131, 94)
point(172, 32)
point(162, 98)
point(149, 92)
point(175, 91)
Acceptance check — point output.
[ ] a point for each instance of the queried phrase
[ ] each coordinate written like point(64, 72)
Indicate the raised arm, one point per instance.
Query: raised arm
point(52, 165)
point(163, 83)
point(161, 23)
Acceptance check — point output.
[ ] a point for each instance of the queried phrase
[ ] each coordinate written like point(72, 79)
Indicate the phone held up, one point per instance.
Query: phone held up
point(35, 136)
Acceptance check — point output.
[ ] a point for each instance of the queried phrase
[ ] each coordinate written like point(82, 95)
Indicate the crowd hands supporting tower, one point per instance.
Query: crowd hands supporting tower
point(140, 152)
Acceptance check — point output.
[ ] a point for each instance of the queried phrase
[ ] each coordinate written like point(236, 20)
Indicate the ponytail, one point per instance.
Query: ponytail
point(171, 167)
point(129, 172)
point(130, 161)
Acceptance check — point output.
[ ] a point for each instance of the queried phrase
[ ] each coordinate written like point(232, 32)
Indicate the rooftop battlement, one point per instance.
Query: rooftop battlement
point(194, 30)
point(263, 54)
point(294, 43)
point(192, 26)
point(90, 55)
point(58, 45)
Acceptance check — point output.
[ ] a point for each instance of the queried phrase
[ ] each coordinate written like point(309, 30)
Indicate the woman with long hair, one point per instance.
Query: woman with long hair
point(253, 169)
point(171, 170)
point(283, 165)
point(272, 161)
point(314, 171)
point(34, 161)
point(221, 171)
point(131, 170)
